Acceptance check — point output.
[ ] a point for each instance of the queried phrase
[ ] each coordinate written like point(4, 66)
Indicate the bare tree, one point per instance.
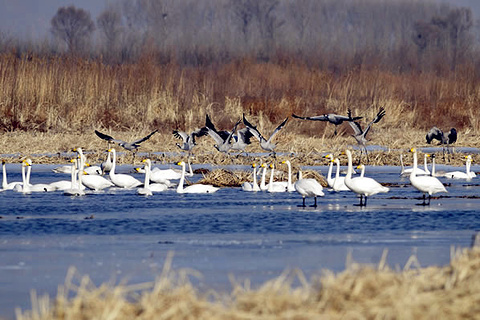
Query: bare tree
point(73, 26)
point(110, 23)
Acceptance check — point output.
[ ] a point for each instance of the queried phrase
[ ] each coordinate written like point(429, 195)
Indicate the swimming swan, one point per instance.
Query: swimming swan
point(194, 188)
point(148, 188)
point(121, 180)
point(308, 188)
point(41, 187)
point(467, 175)
point(425, 184)
point(247, 186)
point(76, 188)
point(363, 186)
point(406, 172)
point(5, 184)
point(339, 182)
point(275, 186)
point(290, 186)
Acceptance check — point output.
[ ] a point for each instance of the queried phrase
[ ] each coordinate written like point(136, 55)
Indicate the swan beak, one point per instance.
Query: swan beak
point(271, 165)
point(283, 162)
point(109, 150)
point(144, 160)
point(427, 155)
point(413, 150)
point(254, 165)
point(180, 163)
point(85, 173)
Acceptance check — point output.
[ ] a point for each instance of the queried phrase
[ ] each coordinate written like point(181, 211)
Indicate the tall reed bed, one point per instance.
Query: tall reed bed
point(59, 94)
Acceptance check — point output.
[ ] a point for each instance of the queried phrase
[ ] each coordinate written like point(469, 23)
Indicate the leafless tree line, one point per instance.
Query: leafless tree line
point(336, 34)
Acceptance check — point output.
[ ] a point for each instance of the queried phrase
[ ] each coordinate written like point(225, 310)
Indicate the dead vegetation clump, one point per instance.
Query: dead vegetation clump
point(359, 292)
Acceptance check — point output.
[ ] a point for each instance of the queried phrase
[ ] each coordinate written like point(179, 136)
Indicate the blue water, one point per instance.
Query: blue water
point(119, 235)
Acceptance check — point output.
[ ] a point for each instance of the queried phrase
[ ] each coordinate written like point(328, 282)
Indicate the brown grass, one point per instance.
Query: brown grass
point(359, 292)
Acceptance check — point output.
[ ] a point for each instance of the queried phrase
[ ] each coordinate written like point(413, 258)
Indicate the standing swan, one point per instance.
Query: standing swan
point(425, 184)
point(308, 188)
point(194, 188)
point(121, 180)
point(363, 186)
point(247, 186)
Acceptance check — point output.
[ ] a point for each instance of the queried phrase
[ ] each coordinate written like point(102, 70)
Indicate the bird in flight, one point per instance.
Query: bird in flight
point(189, 138)
point(222, 138)
point(130, 146)
point(360, 134)
point(265, 144)
point(332, 118)
point(437, 134)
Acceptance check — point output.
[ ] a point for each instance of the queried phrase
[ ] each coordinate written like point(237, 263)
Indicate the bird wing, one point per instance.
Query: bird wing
point(350, 118)
point(180, 135)
point(452, 136)
point(278, 129)
point(104, 136)
point(315, 118)
point(253, 129)
point(203, 131)
point(245, 134)
point(144, 138)
point(356, 127)
point(434, 133)
point(379, 117)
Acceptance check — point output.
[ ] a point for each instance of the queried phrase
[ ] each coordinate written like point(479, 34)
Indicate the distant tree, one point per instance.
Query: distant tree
point(109, 22)
point(73, 26)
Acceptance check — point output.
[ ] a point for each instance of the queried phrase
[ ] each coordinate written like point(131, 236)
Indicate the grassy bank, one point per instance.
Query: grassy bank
point(359, 292)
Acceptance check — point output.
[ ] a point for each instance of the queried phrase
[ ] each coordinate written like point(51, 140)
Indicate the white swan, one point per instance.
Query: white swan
point(467, 174)
point(290, 186)
point(330, 180)
point(425, 184)
point(275, 186)
point(5, 184)
point(96, 182)
point(67, 184)
point(194, 188)
point(308, 188)
point(106, 165)
point(23, 187)
point(149, 188)
point(339, 182)
point(247, 186)
point(263, 186)
point(89, 169)
point(435, 173)
point(363, 186)
point(121, 180)
point(406, 172)
point(76, 188)
point(40, 187)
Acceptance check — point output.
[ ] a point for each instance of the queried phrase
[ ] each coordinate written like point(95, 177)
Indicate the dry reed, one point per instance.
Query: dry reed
point(359, 292)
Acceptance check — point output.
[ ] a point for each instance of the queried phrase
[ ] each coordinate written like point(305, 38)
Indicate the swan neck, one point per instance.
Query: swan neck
point(330, 168)
point(147, 176)
point(350, 167)
point(114, 160)
point(182, 179)
point(254, 176)
point(414, 169)
point(4, 178)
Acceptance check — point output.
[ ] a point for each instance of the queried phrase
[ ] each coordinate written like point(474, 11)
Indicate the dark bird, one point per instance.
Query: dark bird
point(189, 138)
point(360, 134)
point(437, 134)
point(130, 146)
point(265, 144)
point(222, 138)
point(331, 117)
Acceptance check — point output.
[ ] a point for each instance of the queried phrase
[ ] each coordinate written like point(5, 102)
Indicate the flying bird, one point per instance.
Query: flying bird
point(437, 134)
point(360, 134)
point(131, 146)
point(189, 138)
point(265, 144)
point(222, 138)
point(331, 117)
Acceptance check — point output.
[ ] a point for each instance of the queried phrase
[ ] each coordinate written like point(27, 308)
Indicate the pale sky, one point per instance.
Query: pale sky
point(31, 18)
